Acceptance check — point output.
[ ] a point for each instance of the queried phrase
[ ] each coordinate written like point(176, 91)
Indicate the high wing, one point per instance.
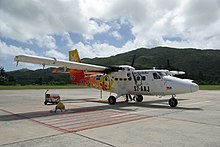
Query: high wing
point(60, 63)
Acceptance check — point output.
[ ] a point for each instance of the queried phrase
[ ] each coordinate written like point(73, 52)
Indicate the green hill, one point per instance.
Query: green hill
point(202, 66)
point(40, 76)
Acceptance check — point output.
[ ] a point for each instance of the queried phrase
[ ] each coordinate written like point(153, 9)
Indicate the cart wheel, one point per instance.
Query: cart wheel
point(45, 102)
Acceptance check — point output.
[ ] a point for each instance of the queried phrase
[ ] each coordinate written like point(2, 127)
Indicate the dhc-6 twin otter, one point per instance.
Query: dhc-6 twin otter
point(122, 80)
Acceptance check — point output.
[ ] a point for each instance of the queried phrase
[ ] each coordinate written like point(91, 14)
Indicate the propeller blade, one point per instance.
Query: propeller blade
point(132, 63)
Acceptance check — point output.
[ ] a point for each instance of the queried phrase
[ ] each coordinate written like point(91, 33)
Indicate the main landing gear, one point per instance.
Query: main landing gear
point(111, 100)
point(173, 101)
point(137, 98)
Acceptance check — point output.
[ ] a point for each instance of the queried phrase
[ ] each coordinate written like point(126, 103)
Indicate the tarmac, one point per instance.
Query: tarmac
point(89, 121)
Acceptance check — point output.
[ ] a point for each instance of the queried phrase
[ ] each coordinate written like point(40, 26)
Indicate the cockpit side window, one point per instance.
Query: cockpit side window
point(156, 76)
point(162, 74)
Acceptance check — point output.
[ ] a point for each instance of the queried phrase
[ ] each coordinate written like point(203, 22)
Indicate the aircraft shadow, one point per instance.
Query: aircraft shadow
point(122, 106)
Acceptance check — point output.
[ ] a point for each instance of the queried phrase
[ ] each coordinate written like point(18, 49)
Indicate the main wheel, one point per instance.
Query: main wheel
point(139, 98)
point(173, 102)
point(111, 100)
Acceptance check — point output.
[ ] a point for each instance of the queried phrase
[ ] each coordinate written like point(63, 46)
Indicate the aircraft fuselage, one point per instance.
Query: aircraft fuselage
point(149, 82)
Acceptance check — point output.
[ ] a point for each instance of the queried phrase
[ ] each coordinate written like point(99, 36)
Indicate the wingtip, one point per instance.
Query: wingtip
point(16, 58)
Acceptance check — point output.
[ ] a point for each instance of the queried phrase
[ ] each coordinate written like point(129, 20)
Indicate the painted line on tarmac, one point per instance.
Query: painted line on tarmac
point(78, 121)
point(101, 118)
point(35, 121)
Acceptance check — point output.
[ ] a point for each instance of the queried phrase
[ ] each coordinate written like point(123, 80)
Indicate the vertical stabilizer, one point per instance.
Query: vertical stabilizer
point(74, 56)
point(76, 76)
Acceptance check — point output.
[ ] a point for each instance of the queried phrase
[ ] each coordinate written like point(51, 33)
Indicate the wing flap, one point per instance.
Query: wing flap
point(58, 63)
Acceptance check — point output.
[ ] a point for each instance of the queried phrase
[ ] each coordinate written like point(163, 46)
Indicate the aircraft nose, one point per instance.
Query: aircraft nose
point(194, 87)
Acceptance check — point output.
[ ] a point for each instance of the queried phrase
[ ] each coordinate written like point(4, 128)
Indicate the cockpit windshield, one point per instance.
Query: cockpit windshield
point(159, 75)
point(163, 74)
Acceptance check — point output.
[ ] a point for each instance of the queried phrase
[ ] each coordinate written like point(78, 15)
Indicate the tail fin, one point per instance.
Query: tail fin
point(74, 56)
point(76, 76)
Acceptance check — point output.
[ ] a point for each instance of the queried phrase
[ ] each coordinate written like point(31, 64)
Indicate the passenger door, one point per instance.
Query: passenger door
point(156, 85)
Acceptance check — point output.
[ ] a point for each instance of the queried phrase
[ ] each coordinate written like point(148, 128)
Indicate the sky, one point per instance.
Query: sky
point(102, 28)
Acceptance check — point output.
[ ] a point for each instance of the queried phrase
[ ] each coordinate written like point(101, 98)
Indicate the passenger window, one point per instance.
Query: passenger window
point(120, 79)
point(143, 78)
point(125, 79)
point(116, 79)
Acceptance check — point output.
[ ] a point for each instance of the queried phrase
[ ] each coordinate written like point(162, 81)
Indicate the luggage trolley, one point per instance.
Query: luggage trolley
point(51, 98)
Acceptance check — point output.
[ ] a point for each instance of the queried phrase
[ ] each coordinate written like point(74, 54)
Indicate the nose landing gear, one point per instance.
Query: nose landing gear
point(173, 101)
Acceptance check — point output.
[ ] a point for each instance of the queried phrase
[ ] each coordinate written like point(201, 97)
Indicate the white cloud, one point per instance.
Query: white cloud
point(96, 50)
point(116, 34)
point(10, 50)
point(66, 38)
point(196, 23)
point(56, 54)
point(24, 20)
point(7, 54)
point(95, 28)
point(150, 20)
point(45, 41)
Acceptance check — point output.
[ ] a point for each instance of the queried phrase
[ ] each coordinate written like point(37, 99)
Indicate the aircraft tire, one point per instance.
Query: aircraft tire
point(111, 100)
point(139, 98)
point(173, 102)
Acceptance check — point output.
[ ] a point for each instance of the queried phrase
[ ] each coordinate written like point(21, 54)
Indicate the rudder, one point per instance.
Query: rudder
point(76, 76)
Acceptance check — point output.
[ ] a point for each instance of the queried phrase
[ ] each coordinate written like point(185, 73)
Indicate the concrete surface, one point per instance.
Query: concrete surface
point(90, 121)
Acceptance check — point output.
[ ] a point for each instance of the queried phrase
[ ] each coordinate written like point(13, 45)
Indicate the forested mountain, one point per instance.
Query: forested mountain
point(200, 65)
point(40, 76)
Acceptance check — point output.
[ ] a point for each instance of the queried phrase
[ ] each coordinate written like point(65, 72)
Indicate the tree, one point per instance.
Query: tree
point(2, 71)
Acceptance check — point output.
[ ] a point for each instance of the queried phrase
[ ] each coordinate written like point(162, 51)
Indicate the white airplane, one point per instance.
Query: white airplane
point(123, 80)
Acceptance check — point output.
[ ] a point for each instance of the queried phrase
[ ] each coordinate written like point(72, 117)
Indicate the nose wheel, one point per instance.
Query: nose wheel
point(173, 102)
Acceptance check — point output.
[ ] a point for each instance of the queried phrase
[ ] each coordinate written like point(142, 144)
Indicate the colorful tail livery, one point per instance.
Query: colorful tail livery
point(76, 76)
point(123, 80)
point(92, 79)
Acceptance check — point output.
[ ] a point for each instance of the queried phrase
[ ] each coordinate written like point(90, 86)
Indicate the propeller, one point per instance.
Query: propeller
point(117, 68)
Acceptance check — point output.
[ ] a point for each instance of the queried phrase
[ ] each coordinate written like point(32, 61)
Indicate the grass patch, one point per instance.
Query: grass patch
point(209, 87)
point(18, 87)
